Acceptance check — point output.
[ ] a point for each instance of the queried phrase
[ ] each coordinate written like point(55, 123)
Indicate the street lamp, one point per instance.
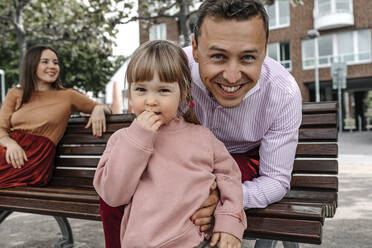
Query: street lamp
point(314, 34)
point(2, 75)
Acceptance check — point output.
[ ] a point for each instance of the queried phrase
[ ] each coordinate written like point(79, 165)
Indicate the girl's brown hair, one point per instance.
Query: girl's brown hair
point(171, 64)
point(28, 74)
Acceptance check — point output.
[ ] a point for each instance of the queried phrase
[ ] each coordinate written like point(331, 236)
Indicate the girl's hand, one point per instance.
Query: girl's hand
point(149, 121)
point(226, 240)
point(98, 119)
point(15, 155)
point(203, 217)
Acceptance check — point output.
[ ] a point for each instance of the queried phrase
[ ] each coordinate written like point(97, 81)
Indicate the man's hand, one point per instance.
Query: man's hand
point(203, 217)
point(226, 240)
point(149, 121)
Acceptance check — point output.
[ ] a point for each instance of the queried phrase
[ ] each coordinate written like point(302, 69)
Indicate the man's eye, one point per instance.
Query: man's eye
point(248, 58)
point(218, 56)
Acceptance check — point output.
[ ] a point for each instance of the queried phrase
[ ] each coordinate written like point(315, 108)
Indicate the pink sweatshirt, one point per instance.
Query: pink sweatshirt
point(163, 177)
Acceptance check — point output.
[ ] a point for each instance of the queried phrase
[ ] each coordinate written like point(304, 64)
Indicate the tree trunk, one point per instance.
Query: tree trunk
point(184, 30)
point(22, 42)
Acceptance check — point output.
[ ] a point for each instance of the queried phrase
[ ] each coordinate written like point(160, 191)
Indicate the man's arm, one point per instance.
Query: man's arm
point(277, 152)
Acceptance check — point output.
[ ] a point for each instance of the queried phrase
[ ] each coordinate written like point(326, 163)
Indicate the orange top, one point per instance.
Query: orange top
point(45, 114)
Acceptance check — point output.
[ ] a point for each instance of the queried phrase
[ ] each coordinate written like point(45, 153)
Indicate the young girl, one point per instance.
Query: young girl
point(162, 166)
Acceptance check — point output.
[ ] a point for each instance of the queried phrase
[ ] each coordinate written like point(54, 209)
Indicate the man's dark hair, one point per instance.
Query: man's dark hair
point(231, 9)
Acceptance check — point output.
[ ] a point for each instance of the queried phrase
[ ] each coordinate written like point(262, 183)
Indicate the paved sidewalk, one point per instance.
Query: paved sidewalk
point(351, 226)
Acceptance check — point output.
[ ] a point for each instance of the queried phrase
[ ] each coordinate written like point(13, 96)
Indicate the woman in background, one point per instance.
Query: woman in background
point(33, 119)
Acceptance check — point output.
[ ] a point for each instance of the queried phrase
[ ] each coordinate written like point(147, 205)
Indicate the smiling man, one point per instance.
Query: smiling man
point(248, 100)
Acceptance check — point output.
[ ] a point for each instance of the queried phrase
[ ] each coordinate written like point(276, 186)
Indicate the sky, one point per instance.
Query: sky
point(127, 39)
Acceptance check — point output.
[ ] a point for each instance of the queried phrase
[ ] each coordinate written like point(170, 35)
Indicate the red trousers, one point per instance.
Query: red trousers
point(37, 171)
point(112, 216)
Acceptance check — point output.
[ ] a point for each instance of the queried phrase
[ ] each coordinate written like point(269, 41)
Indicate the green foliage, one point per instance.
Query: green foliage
point(82, 34)
point(9, 60)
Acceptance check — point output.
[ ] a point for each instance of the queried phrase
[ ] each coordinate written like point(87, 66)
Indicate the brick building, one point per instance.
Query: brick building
point(344, 35)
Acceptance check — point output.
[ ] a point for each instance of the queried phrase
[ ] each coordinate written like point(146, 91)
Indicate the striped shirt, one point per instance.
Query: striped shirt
point(269, 116)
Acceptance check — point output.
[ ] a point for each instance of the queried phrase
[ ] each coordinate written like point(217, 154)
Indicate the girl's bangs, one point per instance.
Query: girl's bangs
point(161, 61)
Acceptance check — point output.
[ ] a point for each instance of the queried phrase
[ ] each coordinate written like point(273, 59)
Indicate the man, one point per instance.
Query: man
point(245, 98)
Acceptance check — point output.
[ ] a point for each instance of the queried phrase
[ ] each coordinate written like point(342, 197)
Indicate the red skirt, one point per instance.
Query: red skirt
point(248, 163)
point(37, 170)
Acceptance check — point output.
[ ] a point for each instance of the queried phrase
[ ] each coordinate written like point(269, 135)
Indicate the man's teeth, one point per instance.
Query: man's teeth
point(229, 89)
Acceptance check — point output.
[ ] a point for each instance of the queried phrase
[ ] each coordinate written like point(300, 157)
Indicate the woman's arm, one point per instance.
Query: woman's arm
point(14, 155)
point(98, 119)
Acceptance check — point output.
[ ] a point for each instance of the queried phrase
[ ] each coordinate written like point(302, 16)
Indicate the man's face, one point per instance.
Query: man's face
point(230, 54)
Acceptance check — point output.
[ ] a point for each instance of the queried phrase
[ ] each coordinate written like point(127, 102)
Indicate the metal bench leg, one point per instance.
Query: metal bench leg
point(287, 244)
point(265, 243)
point(67, 241)
point(4, 214)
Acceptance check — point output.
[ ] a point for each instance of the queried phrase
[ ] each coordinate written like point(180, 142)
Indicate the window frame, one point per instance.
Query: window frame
point(336, 56)
point(278, 53)
point(277, 15)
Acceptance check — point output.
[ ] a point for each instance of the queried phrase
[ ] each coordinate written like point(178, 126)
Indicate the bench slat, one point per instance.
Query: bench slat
point(52, 189)
point(74, 173)
point(84, 139)
point(80, 128)
point(303, 231)
point(76, 162)
point(89, 211)
point(113, 118)
point(315, 166)
point(64, 181)
point(81, 150)
point(319, 107)
point(289, 211)
point(310, 196)
point(329, 119)
point(305, 134)
point(62, 195)
point(314, 182)
point(317, 150)
point(318, 134)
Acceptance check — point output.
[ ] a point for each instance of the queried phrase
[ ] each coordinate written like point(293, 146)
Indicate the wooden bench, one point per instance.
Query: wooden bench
point(298, 218)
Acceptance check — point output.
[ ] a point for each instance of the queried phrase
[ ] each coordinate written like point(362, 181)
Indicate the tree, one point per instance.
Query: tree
point(70, 25)
point(150, 11)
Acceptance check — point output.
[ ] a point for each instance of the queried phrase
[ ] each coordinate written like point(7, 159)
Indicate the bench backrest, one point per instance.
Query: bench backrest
point(315, 167)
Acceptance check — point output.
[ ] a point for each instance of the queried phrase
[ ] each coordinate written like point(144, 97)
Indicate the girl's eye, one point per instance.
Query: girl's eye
point(140, 89)
point(164, 90)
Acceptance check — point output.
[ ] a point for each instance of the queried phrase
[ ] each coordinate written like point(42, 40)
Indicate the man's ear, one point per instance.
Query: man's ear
point(195, 50)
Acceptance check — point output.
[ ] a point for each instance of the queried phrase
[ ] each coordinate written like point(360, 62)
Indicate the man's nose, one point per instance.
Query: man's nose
point(232, 72)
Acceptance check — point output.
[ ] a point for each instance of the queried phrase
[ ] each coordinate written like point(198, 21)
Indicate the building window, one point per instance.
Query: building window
point(325, 48)
point(352, 47)
point(326, 7)
point(158, 32)
point(279, 14)
point(281, 53)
